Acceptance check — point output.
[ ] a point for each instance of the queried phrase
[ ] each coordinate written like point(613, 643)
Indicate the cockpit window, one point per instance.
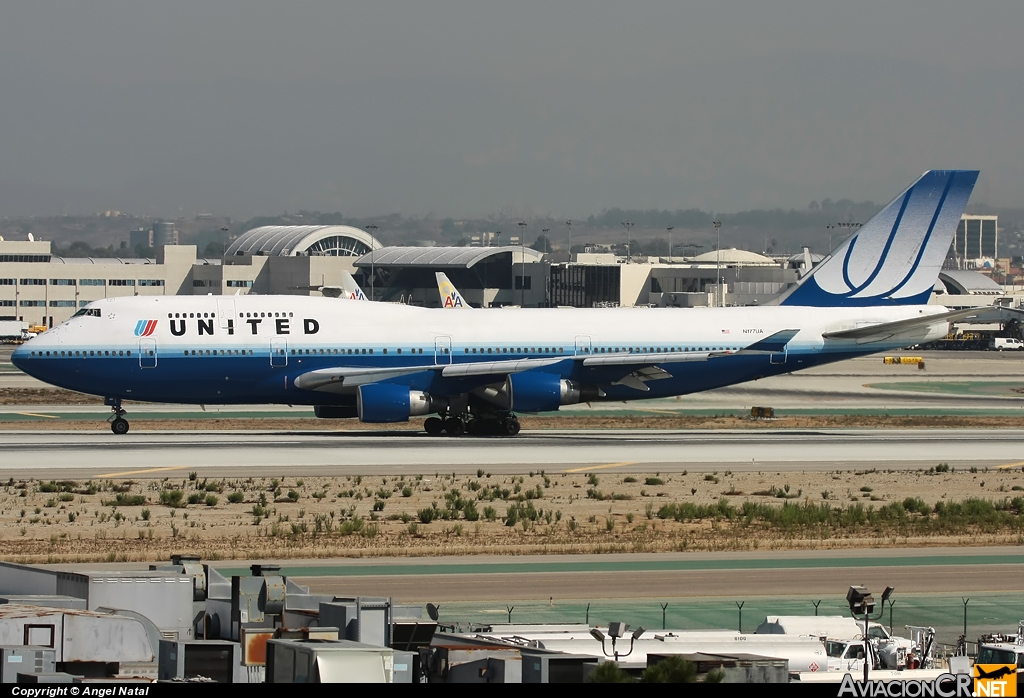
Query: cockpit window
point(90, 312)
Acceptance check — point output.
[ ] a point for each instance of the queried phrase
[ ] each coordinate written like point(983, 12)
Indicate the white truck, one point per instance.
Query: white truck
point(13, 331)
point(1003, 649)
point(1006, 344)
point(845, 636)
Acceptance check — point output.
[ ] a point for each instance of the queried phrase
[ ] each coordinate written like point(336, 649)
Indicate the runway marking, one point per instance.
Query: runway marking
point(600, 467)
point(147, 470)
point(1010, 465)
point(34, 414)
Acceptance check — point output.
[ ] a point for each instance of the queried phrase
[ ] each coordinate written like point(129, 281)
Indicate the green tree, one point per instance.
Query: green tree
point(542, 244)
point(670, 670)
point(609, 672)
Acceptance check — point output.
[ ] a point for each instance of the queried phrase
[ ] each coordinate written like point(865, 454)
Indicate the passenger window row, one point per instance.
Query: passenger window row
point(82, 354)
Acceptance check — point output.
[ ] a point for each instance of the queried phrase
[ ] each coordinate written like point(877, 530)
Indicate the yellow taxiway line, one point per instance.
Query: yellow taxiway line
point(147, 470)
point(600, 467)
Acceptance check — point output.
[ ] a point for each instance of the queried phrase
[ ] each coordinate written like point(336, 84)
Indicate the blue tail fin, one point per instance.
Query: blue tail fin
point(895, 258)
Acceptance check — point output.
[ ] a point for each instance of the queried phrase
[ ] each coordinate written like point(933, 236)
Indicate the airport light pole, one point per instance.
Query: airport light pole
point(829, 229)
point(616, 631)
point(373, 238)
point(522, 278)
point(718, 264)
point(569, 225)
point(627, 225)
point(862, 603)
point(669, 229)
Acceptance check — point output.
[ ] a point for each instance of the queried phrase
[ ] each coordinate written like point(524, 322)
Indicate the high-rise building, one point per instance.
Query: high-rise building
point(977, 238)
point(164, 234)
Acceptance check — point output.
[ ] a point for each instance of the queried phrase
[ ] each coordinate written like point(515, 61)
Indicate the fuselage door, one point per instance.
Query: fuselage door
point(225, 311)
point(147, 353)
point(583, 345)
point(279, 352)
point(442, 350)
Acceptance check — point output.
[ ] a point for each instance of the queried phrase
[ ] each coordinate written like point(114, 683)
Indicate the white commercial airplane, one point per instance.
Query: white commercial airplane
point(383, 362)
point(349, 289)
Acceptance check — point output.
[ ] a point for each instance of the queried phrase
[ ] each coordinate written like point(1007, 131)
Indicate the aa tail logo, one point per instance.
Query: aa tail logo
point(145, 328)
point(450, 296)
point(895, 258)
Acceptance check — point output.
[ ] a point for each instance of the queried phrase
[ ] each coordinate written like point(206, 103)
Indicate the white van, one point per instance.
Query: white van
point(1002, 343)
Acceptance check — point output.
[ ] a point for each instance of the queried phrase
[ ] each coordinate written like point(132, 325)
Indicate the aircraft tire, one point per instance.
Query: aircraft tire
point(511, 426)
point(433, 425)
point(119, 426)
point(454, 426)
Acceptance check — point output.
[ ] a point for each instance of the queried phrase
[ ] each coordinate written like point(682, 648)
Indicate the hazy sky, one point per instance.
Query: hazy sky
point(468, 108)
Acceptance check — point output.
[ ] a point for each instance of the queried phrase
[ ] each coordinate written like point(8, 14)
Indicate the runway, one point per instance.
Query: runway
point(234, 454)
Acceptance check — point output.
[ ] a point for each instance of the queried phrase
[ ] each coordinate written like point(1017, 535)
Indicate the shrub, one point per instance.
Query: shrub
point(426, 515)
point(654, 481)
point(172, 498)
point(195, 498)
point(236, 497)
point(125, 500)
point(211, 500)
point(145, 514)
point(406, 491)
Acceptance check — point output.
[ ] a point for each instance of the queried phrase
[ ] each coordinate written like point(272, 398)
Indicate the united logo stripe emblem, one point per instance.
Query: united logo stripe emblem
point(145, 328)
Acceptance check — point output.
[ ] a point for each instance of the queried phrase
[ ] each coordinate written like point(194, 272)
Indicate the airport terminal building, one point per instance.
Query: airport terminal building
point(41, 288)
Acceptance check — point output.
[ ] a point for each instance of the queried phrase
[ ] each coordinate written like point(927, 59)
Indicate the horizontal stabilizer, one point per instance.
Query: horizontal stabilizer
point(888, 329)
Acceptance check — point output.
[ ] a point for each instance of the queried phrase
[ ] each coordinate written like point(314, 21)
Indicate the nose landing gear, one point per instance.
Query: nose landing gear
point(118, 424)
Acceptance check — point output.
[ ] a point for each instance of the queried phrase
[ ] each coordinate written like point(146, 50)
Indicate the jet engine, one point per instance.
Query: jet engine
point(386, 402)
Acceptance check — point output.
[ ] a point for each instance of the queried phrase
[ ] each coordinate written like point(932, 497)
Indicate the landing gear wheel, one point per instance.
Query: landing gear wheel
point(119, 426)
point(475, 427)
point(510, 426)
point(433, 425)
point(454, 426)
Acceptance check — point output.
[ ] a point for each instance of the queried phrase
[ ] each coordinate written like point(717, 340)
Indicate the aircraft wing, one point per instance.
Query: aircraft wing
point(345, 378)
point(876, 333)
point(639, 368)
point(497, 368)
point(333, 379)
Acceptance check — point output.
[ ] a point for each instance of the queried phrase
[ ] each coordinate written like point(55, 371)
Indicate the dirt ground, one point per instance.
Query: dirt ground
point(384, 516)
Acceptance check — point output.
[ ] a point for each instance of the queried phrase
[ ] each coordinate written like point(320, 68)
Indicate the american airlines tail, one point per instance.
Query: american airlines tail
point(450, 296)
point(350, 288)
point(895, 258)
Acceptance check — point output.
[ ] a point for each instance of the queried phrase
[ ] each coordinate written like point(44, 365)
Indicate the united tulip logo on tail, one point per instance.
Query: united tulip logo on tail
point(145, 328)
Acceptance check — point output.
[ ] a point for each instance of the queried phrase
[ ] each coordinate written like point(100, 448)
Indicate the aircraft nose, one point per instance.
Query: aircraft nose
point(26, 356)
point(21, 355)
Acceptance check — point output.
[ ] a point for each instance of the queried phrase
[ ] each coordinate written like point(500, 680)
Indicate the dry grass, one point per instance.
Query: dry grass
point(352, 517)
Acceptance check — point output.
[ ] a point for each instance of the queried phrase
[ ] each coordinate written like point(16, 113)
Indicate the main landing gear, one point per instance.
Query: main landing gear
point(489, 425)
point(118, 424)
